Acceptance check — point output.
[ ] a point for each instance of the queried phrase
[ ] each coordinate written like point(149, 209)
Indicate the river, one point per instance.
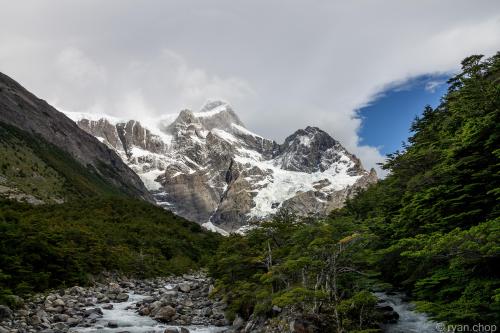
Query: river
point(128, 320)
point(409, 321)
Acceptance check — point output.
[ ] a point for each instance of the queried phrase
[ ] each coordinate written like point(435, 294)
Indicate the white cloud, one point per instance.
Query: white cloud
point(76, 68)
point(282, 65)
point(431, 86)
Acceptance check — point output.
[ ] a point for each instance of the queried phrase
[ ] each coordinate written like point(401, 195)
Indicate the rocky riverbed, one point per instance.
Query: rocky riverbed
point(175, 304)
point(170, 305)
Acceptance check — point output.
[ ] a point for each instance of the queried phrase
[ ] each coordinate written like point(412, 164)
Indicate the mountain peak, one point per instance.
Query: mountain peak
point(310, 150)
point(209, 168)
point(218, 114)
point(310, 136)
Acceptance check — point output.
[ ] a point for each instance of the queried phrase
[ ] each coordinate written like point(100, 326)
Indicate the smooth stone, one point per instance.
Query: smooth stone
point(165, 313)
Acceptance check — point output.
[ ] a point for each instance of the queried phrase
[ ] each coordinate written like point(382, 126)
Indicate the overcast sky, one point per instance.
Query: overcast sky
point(281, 64)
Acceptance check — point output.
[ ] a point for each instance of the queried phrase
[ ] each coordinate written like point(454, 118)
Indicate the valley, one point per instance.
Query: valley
point(107, 225)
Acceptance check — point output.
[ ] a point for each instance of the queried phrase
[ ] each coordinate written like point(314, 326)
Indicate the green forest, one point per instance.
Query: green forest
point(431, 228)
point(50, 246)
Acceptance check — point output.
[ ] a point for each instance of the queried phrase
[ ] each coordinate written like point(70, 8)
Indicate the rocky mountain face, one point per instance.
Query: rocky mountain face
point(207, 167)
point(24, 111)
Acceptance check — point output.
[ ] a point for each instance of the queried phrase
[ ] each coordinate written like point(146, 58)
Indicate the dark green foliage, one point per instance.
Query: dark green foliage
point(432, 227)
point(315, 268)
point(437, 213)
point(62, 245)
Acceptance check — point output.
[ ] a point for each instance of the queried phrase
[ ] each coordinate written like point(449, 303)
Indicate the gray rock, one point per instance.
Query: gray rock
point(5, 312)
point(96, 311)
point(61, 317)
point(185, 287)
point(114, 288)
point(122, 297)
point(60, 326)
point(35, 320)
point(165, 313)
point(74, 321)
point(112, 324)
point(277, 309)
point(238, 322)
point(58, 302)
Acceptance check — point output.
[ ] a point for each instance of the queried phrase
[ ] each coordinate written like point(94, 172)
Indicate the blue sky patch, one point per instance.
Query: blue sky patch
point(387, 120)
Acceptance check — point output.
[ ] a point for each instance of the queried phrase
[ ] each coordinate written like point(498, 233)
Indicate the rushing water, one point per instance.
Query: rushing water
point(129, 320)
point(409, 321)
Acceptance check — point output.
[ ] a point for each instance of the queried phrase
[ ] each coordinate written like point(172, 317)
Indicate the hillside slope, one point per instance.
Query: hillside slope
point(42, 136)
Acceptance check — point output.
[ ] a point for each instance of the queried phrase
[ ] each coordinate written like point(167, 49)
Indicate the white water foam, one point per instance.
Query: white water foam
point(409, 321)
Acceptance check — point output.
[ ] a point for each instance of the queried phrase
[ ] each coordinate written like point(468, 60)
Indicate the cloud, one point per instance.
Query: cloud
point(432, 86)
point(283, 66)
point(75, 67)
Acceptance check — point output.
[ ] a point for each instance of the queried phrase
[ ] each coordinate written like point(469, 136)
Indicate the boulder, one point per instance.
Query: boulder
point(58, 302)
point(122, 297)
point(5, 312)
point(74, 321)
point(35, 320)
point(60, 317)
point(185, 287)
point(238, 323)
point(96, 311)
point(112, 324)
point(277, 309)
point(144, 311)
point(165, 313)
point(389, 316)
point(60, 327)
point(114, 288)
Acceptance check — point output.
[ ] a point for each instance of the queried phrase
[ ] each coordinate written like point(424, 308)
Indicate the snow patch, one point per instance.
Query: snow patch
point(211, 227)
point(280, 185)
point(305, 140)
point(211, 112)
point(149, 179)
point(224, 135)
point(244, 131)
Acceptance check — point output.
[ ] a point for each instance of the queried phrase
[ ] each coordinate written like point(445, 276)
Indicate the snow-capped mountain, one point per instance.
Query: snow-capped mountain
point(208, 167)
